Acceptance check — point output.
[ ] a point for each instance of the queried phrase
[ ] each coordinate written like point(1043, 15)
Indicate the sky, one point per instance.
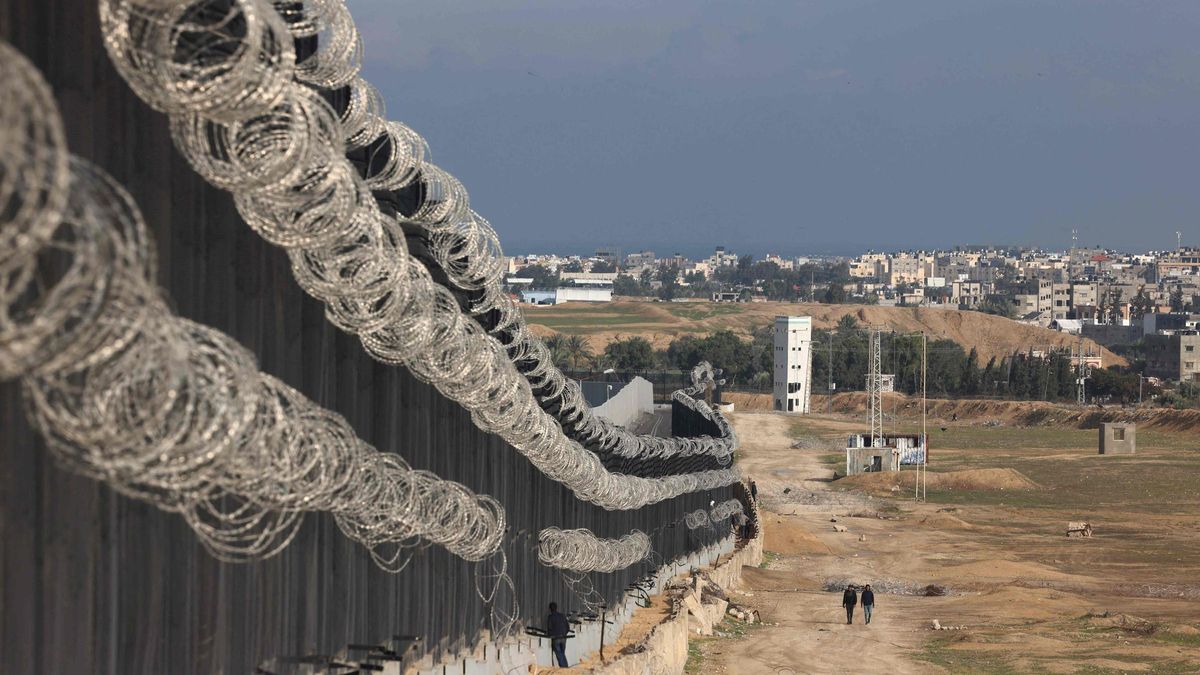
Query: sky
point(803, 127)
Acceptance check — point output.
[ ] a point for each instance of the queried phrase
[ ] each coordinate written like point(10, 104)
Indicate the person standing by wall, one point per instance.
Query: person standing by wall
point(868, 602)
point(742, 524)
point(557, 628)
point(849, 600)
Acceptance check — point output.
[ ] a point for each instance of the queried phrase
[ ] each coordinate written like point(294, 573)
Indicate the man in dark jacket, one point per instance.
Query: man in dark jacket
point(849, 600)
point(868, 602)
point(557, 628)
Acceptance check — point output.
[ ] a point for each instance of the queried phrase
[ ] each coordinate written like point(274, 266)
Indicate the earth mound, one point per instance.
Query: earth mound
point(968, 480)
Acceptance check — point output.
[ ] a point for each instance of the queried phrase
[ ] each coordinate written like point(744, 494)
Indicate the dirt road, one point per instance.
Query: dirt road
point(807, 631)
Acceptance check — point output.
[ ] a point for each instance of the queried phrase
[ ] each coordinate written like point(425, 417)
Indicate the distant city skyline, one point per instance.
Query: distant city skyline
point(829, 126)
point(700, 252)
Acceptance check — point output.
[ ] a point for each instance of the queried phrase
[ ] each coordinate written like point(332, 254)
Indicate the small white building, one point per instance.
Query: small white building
point(582, 294)
point(793, 363)
point(889, 452)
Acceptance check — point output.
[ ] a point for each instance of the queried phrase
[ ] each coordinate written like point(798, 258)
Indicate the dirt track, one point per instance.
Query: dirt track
point(808, 631)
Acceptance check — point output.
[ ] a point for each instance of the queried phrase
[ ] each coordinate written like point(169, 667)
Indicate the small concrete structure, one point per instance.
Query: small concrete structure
point(868, 460)
point(1118, 438)
point(885, 453)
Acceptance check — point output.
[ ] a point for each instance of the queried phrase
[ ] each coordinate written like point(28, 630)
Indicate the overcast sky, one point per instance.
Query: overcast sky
point(804, 127)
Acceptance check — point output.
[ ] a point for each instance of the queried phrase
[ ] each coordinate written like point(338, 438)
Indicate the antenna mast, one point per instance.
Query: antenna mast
point(875, 388)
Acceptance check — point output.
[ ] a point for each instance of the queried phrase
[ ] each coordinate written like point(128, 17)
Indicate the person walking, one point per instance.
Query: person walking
point(868, 602)
point(849, 600)
point(557, 628)
point(742, 523)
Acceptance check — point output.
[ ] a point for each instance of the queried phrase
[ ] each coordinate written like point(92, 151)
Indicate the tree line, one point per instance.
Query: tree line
point(747, 363)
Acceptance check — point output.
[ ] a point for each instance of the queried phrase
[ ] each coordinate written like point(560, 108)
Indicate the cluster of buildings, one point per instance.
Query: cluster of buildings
point(1113, 298)
point(1084, 284)
point(591, 278)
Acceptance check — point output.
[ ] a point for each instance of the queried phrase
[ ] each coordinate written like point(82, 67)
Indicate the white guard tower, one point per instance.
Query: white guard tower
point(793, 363)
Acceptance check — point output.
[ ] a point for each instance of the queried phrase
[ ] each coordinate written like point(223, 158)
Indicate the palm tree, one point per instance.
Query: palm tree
point(577, 349)
point(557, 344)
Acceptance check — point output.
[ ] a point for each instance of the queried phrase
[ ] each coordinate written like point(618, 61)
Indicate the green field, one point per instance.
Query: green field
point(1162, 478)
point(698, 311)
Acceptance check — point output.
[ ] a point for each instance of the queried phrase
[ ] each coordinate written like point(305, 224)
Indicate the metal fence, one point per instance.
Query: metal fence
point(94, 582)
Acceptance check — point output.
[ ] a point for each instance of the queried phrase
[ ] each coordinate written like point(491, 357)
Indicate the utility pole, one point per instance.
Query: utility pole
point(1074, 245)
point(1081, 375)
point(829, 369)
point(921, 468)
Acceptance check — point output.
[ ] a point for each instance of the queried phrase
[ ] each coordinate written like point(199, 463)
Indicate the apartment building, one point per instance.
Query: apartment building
point(640, 259)
point(1173, 356)
point(870, 266)
point(968, 294)
point(905, 269)
point(1061, 301)
point(1182, 263)
point(782, 263)
point(1065, 298)
point(1041, 301)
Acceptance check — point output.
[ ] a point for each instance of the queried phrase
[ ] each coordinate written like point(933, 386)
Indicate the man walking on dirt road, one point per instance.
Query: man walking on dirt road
point(868, 602)
point(849, 600)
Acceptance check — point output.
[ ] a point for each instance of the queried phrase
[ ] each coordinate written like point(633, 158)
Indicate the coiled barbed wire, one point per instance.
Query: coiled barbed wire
point(467, 249)
point(724, 510)
point(164, 409)
point(33, 187)
point(696, 519)
point(582, 551)
point(352, 257)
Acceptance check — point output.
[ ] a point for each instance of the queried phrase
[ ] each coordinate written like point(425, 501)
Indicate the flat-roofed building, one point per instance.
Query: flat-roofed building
point(1182, 263)
point(793, 363)
point(1173, 356)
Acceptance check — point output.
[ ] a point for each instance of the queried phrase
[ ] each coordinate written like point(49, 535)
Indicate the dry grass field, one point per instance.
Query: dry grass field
point(1024, 597)
point(661, 322)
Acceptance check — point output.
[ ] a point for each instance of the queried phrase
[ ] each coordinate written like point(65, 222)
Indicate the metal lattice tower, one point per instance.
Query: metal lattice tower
point(875, 388)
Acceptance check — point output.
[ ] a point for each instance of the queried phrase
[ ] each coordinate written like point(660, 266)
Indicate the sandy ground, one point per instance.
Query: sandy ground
point(1026, 597)
point(806, 629)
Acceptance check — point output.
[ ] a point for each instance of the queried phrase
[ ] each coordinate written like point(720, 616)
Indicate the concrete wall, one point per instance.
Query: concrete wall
point(666, 647)
point(859, 459)
point(1109, 335)
point(526, 651)
point(95, 582)
point(630, 401)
